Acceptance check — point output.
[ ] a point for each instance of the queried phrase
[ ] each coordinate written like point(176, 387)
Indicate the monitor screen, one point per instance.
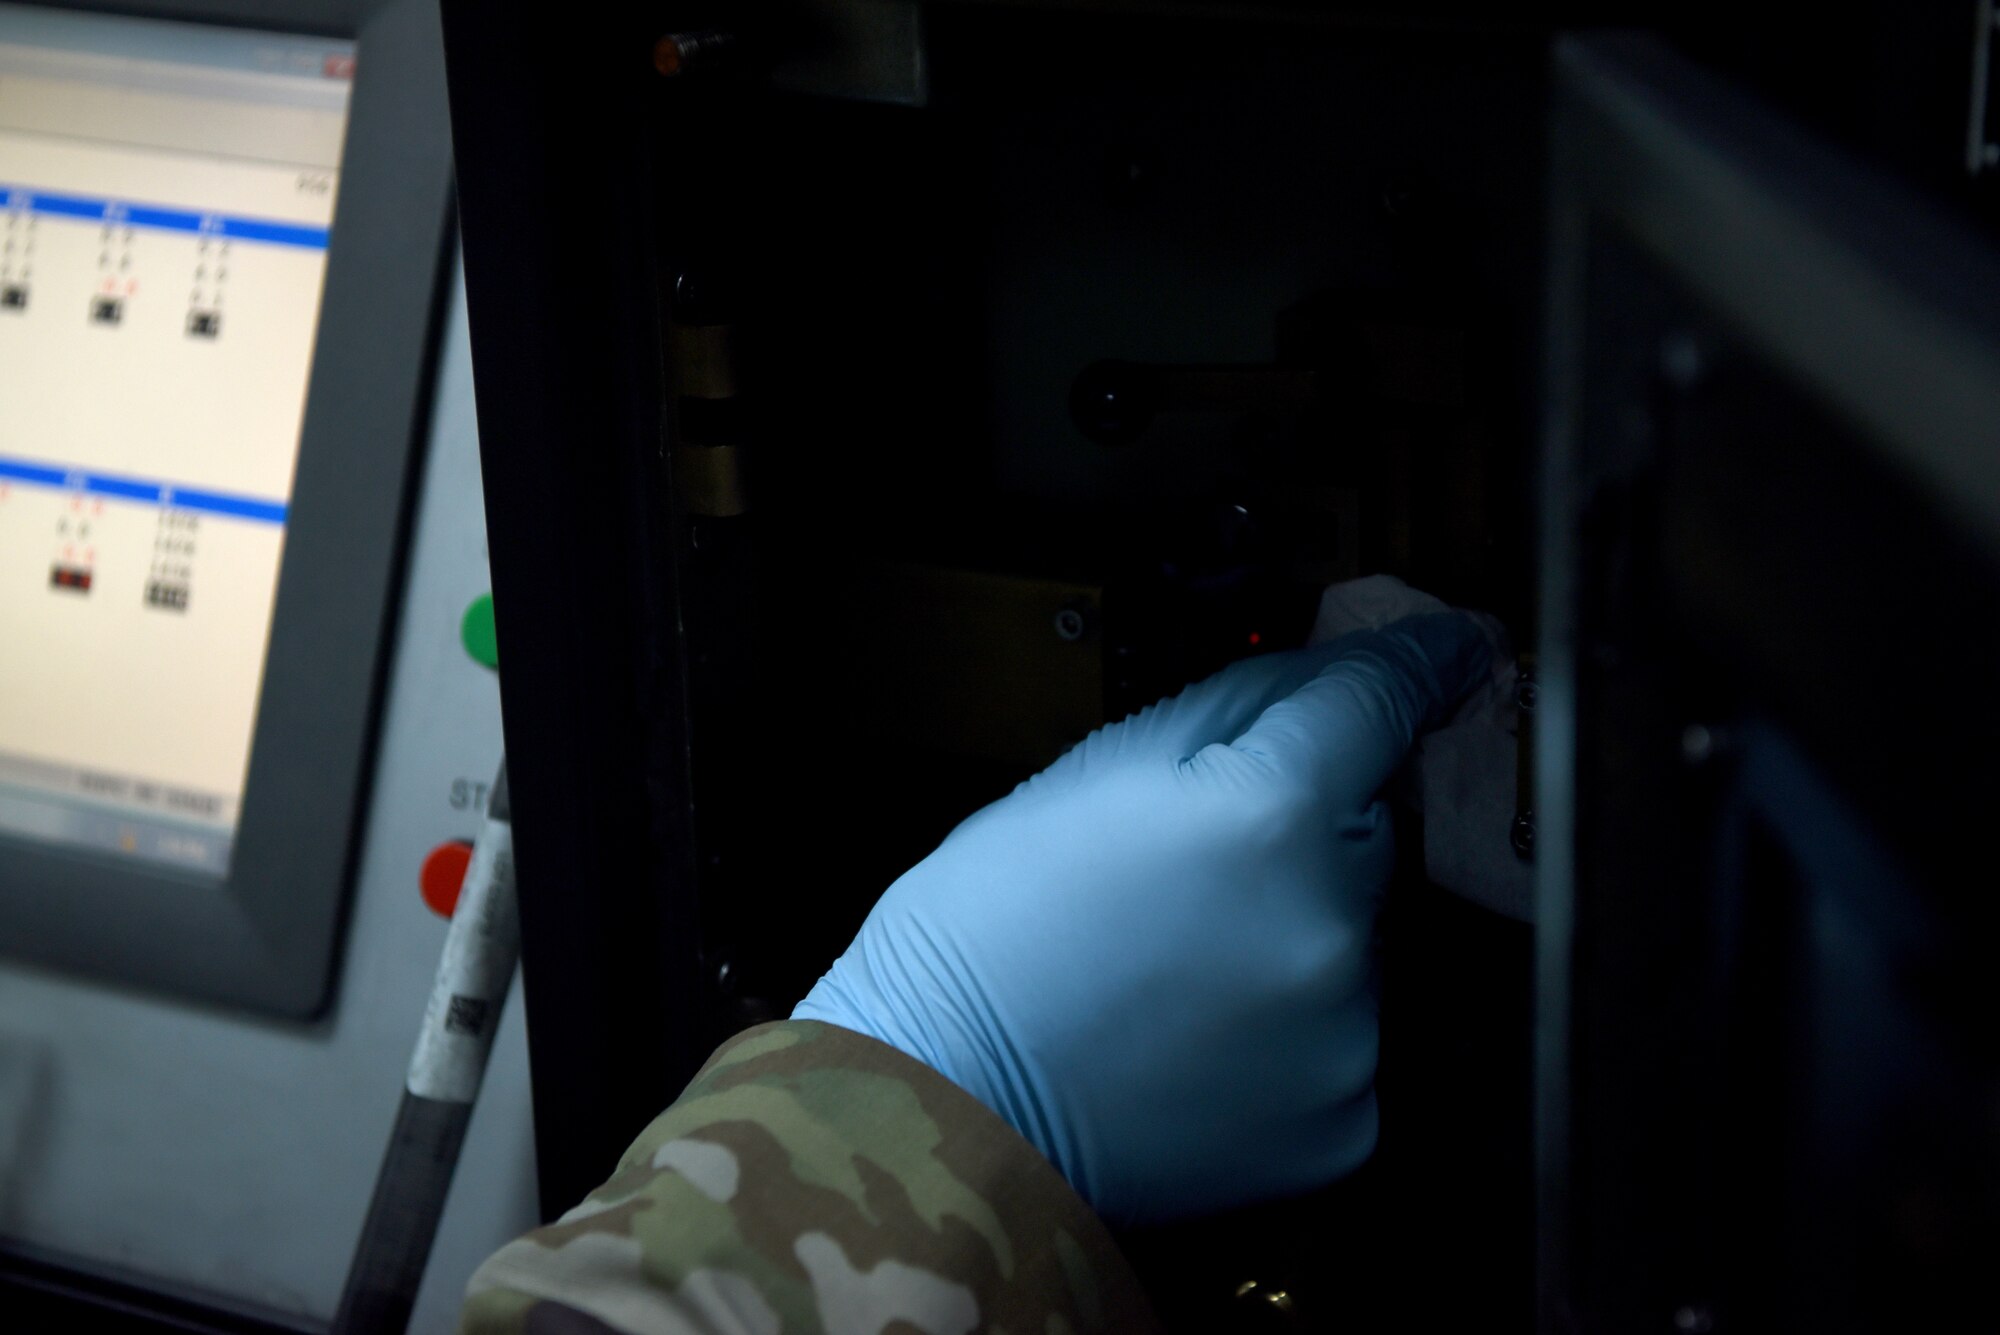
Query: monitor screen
point(166, 196)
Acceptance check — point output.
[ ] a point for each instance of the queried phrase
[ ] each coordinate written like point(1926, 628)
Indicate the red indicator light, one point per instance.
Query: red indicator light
point(1255, 639)
point(443, 876)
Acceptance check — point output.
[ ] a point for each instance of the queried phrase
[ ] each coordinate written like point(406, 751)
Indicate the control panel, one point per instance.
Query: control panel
point(248, 702)
point(168, 1143)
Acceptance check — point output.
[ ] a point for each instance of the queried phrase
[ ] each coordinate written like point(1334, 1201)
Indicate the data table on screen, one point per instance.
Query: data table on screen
point(164, 230)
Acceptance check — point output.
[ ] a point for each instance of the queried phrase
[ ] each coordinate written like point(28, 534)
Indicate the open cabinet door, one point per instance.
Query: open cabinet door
point(1771, 588)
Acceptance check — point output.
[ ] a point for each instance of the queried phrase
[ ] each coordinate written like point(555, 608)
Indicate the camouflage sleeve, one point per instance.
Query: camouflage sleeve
point(813, 1180)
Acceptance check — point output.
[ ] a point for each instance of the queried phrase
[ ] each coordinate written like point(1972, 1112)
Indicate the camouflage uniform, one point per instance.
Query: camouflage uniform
point(814, 1180)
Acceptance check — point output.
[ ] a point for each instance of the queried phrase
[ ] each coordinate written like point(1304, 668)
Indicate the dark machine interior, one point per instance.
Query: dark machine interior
point(1045, 407)
point(906, 443)
point(1056, 403)
point(1049, 398)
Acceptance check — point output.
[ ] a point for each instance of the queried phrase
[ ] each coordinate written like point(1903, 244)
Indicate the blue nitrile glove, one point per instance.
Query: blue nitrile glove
point(1153, 958)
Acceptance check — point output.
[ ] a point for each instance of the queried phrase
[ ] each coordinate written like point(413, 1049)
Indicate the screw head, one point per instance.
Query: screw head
point(1682, 360)
point(1697, 743)
point(1070, 625)
point(1522, 836)
point(1526, 693)
point(1694, 1319)
point(1702, 743)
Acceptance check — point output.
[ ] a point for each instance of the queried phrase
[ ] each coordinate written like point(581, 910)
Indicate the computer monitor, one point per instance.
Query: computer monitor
point(166, 201)
point(219, 250)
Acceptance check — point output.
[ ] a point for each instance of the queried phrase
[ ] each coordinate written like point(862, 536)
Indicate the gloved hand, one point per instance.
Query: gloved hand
point(1153, 958)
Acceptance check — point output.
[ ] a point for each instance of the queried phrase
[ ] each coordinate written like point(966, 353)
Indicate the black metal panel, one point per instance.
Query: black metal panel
point(554, 186)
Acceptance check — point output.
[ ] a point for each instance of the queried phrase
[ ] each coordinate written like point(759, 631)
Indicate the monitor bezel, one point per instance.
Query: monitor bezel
point(266, 936)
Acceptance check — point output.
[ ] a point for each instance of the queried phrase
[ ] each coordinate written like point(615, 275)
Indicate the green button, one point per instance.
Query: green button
point(476, 631)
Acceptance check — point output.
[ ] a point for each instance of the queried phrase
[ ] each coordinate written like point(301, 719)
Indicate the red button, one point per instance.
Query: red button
point(443, 876)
